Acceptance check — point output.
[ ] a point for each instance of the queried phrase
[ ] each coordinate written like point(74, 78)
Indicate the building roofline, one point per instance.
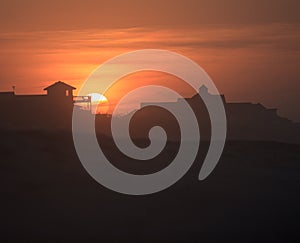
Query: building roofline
point(57, 83)
point(30, 95)
point(8, 92)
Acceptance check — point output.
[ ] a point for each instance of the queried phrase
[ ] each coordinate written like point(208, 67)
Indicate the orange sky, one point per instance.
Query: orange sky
point(251, 50)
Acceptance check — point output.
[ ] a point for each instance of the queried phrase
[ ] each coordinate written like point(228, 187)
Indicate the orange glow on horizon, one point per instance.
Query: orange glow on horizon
point(240, 59)
point(140, 79)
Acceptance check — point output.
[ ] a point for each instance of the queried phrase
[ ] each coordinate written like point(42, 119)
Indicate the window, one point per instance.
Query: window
point(67, 93)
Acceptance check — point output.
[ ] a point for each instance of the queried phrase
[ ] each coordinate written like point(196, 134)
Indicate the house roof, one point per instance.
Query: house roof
point(59, 83)
point(7, 93)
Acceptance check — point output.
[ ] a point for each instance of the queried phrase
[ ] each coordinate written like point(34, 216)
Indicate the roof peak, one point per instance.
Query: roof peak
point(59, 83)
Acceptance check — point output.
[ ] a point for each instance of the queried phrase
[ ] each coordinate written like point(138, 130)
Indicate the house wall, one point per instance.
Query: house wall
point(60, 92)
point(36, 112)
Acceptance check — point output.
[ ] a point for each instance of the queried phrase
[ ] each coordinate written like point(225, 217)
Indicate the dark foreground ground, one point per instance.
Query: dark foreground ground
point(46, 196)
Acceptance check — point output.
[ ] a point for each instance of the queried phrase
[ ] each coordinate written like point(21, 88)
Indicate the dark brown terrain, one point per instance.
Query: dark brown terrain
point(47, 196)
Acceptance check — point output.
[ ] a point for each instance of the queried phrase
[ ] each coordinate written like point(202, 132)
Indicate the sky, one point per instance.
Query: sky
point(251, 49)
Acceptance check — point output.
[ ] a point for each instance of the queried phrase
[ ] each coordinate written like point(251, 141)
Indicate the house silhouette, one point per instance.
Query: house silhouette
point(58, 94)
point(245, 120)
point(52, 110)
point(60, 90)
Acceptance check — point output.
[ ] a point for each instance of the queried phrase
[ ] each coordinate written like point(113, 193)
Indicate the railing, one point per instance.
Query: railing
point(84, 99)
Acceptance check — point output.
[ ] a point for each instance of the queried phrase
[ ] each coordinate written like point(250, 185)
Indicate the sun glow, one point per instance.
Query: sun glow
point(97, 98)
point(99, 103)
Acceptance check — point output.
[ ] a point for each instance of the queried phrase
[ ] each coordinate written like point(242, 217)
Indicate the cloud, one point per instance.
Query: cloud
point(283, 36)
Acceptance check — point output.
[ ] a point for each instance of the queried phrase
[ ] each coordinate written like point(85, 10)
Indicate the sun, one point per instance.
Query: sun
point(99, 103)
point(97, 98)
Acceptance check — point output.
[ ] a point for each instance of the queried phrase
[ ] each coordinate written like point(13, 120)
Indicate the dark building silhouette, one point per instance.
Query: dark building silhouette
point(60, 90)
point(53, 111)
point(245, 121)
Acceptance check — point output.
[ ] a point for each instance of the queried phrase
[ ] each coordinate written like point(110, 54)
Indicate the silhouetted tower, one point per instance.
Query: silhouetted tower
point(203, 90)
point(60, 91)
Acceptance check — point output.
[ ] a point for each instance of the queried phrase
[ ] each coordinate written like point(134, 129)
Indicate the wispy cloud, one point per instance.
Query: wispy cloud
point(231, 53)
point(214, 37)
